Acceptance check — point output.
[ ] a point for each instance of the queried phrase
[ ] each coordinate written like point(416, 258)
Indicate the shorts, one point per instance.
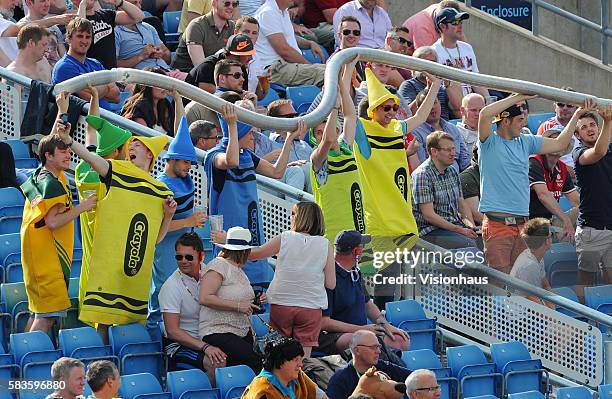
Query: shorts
point(593, 247)
point(303, 324)
point(502, 244)
point(51, 315)
point(181, 357)
point(327, 342)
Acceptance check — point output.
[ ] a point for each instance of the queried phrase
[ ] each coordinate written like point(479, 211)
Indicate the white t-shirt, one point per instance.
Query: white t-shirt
point(529, 269)
point(8, 44)
point(180, 295)
point(461, 57)
point(271, 21)
point(299, 278)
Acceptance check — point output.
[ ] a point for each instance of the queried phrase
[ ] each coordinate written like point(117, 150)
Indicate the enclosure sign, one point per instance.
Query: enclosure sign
point(516, 11)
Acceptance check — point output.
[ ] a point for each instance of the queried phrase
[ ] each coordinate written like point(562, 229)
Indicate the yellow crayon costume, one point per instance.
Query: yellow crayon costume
point(128, 219)
point(46, 256)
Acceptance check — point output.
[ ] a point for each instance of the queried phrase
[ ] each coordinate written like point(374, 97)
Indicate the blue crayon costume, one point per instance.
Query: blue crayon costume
point(164, 263)
point(233, 194)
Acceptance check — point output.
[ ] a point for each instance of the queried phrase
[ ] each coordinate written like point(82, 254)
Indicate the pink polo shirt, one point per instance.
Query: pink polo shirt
point(422, 28)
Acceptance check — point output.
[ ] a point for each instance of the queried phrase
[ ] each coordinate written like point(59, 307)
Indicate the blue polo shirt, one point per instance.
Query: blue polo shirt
point(130, 43)
point(595, 182)
point(346, 302)
point(69, 67)
point(344, 381)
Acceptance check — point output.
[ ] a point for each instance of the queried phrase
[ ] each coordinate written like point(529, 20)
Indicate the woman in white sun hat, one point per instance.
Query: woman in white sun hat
point(227, 298)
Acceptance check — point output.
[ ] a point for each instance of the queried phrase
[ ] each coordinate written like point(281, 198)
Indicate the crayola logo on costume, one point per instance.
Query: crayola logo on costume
point(358, 219)
point(136, 245)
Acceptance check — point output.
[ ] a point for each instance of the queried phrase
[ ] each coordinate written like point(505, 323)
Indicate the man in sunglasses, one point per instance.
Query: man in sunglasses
point(180, 307)
point(423, 31)
point(204, 134)
point(422, 384)
point(374, 20)
point(365, 350)
point(451, 50)
point(397, 41)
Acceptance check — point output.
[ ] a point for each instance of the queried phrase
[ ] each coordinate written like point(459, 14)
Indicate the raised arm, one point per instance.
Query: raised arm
point(277, 170)
point(421, 115)
point(179, 109)
point(94, 109)
point(319, 154)
point(593, 155)
point(348, 108)
point(485, 119)
point(98, 163)
point(562, 141)
point(230, 158)
point(131, 14)
point(267, 250)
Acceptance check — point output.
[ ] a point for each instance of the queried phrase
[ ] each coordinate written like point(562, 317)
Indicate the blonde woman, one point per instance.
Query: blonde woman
point(305, 268)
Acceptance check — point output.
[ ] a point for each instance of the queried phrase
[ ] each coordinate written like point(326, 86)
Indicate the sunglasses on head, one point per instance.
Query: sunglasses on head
point(355, 32)
point(388, 108)
point(236, 75)
point(402, 41)
point(187, 257)
point(231, 3)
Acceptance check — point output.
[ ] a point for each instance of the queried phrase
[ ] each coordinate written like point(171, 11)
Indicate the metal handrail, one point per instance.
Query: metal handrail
point(328, 99)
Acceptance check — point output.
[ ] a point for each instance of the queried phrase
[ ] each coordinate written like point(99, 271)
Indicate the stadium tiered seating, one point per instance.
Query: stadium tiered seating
point(15, 302)
point(21, 153)
point(136, 352)
point(561, 264)
point(409, 315)
point(527, 395)
point(535, 120)
point(11, 210)
point(569, 293)
point(271, 96)
point(605, 391)
point(521, 372)
point(34, 353)
point(172, 20)
point(8, 368)
point(232, 381)
point(259, 328)
point(10, 257)
point(476, 376)
point(427, 359)
point(141, 386)
point(579, 392)
point(600, 299)
point(85, 344)
point(302, 97)
point(191, 384)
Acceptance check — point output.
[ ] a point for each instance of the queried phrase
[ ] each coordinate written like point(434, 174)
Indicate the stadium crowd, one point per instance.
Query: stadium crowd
point(387, 166)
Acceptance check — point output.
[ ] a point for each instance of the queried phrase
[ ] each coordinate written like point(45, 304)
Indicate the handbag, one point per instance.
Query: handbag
point(259, 343)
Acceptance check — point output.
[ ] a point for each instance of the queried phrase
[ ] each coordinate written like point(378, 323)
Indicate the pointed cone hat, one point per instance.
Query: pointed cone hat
point(154, 144)
point(377, 92)
point(110, 137)
point(181, 147)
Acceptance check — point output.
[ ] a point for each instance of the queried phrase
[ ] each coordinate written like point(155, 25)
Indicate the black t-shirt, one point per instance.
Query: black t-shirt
point(595, 183)
point(144, 110)
point(536, 176)
point(204, 72)
point(470, 182)
point(103, 45)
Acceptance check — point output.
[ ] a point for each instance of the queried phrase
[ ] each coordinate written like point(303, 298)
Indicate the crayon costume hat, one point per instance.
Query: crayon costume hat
point(109, 136)
point(181, 147)
point(377, 92)
point(154, 144)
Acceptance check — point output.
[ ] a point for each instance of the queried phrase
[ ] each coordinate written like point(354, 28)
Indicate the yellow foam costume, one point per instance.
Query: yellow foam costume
point(46, 256)
point(128, 219)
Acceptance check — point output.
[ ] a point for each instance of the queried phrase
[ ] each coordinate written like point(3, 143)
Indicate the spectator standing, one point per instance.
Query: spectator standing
point(104, 21)
point(231, 181)
point(374, 20)
point(449, 97)
point(205, 35)
point(422, 26)
point(503, 157)
point(548, 181)
point(349, 304)
point(71, 373)
point(75, 62)
point(103, 379)
point(470, 185)
point(365, 350)
point(31, 62)
point(470, 109)
point(305, 268)
point(227, 299)
point(280, 49)
point(150, 107)
point(204, 135)
point(191, 10)
point(593, 160)
point(48, 227)
point(179, 301)
point(38, 10)
point(442, 215)
point(434, 123)
point(452, 51)
point(422, 384)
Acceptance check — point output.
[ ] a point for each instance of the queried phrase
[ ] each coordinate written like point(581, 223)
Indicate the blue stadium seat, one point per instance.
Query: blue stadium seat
point(271, 96)
point(314, 59)
point(600, 299)
point(141, 386)
point(34, 353)
point(482, 397)
point(117, 107)
point(11, 210)
point(259, 328)
point(535, 120)
point(561, 264)
point(10, 256)
point(568, 293)
point(172, 20)
point(8, 368)
point(15, 300)
point(409, 315)
point(476, 376)
point(527, 395)
point(34, 393)
point(136, 352)
point(565, 204)
point(84, 343)
point(302, 97)
point(190, 384)
point(21, 153)
point(521, 372)
point(579, 392)
point(427, 359)
point(232, 381)
point(605, 391)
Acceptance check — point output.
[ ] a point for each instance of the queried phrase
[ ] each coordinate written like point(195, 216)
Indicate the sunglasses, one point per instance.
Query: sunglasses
point(286, 116)
point(562, 105)
point(236, 75)
point(355, 32)
point(180, 257)
point(388, 108)
point(213, 138)
point(231, 3)
point(402, 41)
point(455, 23)
point(375, 346)
point(429, 389)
